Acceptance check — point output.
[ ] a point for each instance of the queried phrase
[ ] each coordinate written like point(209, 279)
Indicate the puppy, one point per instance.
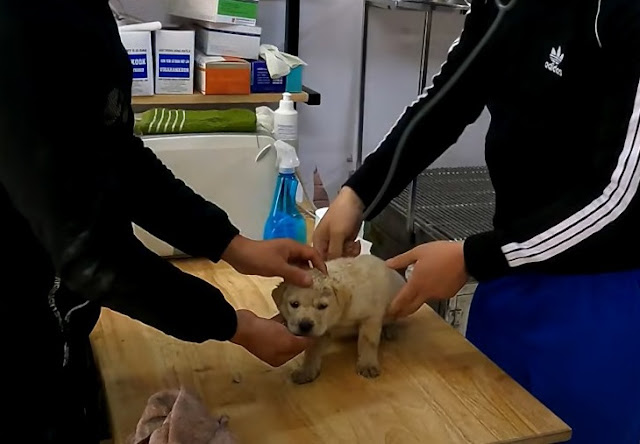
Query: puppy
point(354, 297)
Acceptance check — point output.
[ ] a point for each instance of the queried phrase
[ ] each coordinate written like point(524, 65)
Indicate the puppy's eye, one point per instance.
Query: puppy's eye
point(322, 306)
point(294, 304)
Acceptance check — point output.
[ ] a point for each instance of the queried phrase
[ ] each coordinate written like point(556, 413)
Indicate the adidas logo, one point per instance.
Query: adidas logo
point(556, 57)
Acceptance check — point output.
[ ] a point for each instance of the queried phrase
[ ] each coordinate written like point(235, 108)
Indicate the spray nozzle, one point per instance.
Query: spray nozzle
point(286, 157)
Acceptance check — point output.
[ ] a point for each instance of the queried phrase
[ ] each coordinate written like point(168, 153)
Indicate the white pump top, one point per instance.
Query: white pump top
point(286, 103)
point(286, 157)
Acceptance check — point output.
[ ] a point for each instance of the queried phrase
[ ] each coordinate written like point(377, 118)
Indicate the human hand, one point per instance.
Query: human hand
point(439, 273)
point(283, 258)
point(337, 231)
point(268, 339)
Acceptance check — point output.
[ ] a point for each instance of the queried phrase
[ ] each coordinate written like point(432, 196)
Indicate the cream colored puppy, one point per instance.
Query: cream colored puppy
point(354, 297)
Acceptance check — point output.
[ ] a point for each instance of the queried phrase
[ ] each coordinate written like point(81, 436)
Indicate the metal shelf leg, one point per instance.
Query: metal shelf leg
point(422, 84)
point(363, 75)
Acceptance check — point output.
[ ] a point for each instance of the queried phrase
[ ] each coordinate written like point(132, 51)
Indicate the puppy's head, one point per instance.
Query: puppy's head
point(311, 311)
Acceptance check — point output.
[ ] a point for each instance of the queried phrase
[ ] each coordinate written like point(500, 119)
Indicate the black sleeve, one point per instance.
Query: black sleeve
point(60, 150)
point(439, 130)
point(582, 222)
point(167, 208)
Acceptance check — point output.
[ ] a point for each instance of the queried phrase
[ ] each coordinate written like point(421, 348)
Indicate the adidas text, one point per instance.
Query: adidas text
point(553, 68)
point(556, 58)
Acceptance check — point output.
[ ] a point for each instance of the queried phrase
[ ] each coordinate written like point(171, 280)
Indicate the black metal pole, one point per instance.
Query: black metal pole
point(424, 78)
point(363, 78)
point(292, 27)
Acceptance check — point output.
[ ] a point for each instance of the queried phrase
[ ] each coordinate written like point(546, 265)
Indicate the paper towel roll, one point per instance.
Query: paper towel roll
point(320, 212)
point(364, 244)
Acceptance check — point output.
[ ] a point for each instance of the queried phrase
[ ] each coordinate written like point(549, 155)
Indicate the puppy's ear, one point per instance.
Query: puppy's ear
point(278, 294)
point(343, 296)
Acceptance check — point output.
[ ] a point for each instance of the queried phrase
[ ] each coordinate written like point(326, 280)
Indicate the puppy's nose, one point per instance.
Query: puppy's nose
point(305, 326)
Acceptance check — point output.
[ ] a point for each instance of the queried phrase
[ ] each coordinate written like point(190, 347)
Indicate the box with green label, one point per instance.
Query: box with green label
point(237, 12)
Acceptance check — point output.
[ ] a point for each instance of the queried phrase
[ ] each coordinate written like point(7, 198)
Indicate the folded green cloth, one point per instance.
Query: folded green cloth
point(178, 121)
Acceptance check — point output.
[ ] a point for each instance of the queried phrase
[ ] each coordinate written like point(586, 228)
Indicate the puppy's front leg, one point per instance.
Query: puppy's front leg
point(312, 362)
point(368, 343)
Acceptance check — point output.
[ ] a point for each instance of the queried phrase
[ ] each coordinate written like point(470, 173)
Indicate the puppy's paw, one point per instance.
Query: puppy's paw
point(368, 370)
point(304, 375)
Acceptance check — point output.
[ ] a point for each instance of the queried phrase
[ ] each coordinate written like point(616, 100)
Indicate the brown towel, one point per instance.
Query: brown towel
point(178, 417)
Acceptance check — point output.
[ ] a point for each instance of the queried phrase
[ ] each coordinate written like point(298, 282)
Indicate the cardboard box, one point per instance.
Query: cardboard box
point(228, 40)
point(235, 12)
point(138, 46)
point(261, 81)
point(294, 80)
point(222, 75)
point(174, 61)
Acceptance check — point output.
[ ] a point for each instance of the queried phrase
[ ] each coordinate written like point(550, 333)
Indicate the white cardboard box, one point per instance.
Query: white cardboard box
point(229, 40)
point(138, 46)
point(235, 12)
point(174, 61)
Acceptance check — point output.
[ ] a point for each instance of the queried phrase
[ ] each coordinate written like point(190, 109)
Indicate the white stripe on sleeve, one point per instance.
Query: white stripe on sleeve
point(594, 217)
point(597, 25)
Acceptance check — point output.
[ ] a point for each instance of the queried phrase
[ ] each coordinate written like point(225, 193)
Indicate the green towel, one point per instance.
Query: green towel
point(178, 121)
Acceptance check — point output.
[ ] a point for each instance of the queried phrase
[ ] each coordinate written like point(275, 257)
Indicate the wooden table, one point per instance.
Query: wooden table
point(435, 386)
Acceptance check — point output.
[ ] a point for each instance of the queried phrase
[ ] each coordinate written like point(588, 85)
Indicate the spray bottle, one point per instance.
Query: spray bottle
point(285, 221)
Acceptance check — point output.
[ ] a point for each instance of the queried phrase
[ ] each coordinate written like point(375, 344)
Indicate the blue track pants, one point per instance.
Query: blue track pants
point(571, 341)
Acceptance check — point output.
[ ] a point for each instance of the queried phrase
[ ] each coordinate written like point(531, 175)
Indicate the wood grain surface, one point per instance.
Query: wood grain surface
point(201, 99)
point(435, 386)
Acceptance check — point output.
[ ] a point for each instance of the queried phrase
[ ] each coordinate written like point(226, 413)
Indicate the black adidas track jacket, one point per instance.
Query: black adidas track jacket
point(72, 180)
point(561, 81)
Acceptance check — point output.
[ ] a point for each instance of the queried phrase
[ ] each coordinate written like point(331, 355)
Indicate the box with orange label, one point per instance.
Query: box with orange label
point(222, 75)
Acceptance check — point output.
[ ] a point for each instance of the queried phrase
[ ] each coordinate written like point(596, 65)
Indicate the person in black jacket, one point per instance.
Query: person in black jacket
point(558, 301)
point(73, 178)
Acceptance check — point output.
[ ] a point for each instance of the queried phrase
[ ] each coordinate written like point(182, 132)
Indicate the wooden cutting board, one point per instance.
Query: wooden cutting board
point(435, 386)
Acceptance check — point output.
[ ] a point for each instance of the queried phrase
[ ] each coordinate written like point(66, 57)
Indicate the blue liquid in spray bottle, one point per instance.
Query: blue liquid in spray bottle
point(285, 221)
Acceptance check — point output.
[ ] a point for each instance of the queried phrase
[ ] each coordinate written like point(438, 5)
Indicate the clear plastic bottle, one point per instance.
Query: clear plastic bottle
point(285, 221)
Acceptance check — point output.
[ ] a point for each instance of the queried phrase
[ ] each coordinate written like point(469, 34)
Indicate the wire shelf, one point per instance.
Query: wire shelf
point(451, 203)
point(420, 5)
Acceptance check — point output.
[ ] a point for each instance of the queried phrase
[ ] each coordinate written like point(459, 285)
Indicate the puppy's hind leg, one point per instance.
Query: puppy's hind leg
point(312, 364)
point(368, 343)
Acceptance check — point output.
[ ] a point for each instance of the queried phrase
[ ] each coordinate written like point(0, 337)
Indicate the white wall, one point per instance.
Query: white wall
point(330, 36)
point(395, 42)
point(330, 43)
point(145, 9)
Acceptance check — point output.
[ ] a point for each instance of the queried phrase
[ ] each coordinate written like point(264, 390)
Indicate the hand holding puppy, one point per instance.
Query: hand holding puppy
point(439, 273)
point(283, 258)
point(268, 339)
point(335, 236)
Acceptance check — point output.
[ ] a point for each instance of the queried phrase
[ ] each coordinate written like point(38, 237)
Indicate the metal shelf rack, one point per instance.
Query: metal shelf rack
point(292, 41)
point(291, 46)
point(428, 7)
point(451, 204)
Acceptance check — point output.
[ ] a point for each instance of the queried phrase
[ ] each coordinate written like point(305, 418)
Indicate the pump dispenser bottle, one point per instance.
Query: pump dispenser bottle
point(285, 121)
